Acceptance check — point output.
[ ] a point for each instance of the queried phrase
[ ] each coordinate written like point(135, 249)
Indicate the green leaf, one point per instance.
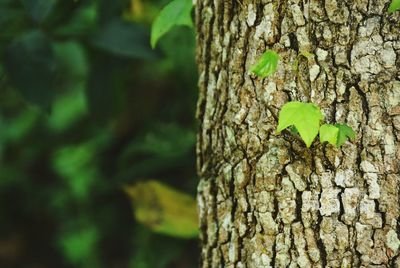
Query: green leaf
point(267, 64)
point(177, 12)
point(394, 6)
point(344, 132)
point(32, 67)
point(305, 117)
point(124, 39)
point(336, 134)
point(164, 209)
point(329, 133)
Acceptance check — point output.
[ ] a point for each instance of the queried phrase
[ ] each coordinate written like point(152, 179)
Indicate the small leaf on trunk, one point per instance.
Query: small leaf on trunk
point(267, 64)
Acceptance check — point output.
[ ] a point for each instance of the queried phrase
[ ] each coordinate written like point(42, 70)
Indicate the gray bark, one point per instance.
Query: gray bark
point(265, 200)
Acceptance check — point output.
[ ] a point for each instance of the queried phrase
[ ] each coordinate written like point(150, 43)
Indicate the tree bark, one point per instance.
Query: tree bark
point(265, 200)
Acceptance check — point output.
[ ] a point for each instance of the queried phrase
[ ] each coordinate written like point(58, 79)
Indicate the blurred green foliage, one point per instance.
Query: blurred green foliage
point(177, 12)
point(86, 107)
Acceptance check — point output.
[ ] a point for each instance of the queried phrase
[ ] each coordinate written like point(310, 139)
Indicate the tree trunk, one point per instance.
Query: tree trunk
point(265, 200)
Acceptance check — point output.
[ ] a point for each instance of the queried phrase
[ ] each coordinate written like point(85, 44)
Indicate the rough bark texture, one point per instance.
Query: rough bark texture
point(265, 200)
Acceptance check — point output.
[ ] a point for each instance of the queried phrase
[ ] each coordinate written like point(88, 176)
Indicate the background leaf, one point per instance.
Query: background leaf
point(267, 64)
point(177, 12)
point(164, 209)
point(305, 117)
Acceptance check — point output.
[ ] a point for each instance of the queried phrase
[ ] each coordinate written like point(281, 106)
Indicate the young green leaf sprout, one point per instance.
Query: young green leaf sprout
point(266, 65)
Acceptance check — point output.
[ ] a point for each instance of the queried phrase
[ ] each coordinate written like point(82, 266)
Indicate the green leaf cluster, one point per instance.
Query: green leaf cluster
point(305, 118)
point(266, 65)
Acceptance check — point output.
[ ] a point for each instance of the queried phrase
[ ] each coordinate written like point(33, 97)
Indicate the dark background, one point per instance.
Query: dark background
point(87, 107)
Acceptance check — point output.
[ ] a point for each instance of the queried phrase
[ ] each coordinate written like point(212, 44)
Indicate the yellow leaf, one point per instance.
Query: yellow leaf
point(137, 9)
point(164, 209)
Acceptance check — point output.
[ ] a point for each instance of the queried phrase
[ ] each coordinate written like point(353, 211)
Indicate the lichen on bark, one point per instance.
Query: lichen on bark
point(265, 200)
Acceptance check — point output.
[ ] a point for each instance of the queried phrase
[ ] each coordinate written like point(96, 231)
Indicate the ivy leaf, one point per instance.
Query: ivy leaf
point(394, 6)
point(305, 117)
point(177, 12)
point(267, 64)
point(329, 133)
point(344, 132)
point(336, 134)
